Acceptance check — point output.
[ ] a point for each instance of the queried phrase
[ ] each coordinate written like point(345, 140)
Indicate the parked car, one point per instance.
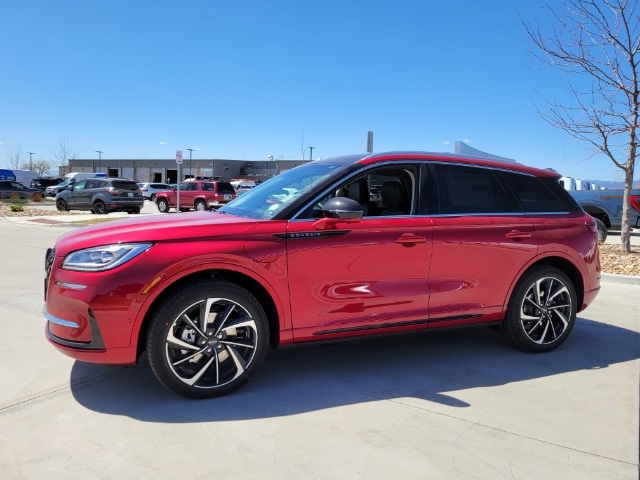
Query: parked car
point(101, 196)
point(451, 241)
point(42, 183)
point(149, 190)
point(606, 207)
point(196, 194)
point(9, 189)
point(53, 190)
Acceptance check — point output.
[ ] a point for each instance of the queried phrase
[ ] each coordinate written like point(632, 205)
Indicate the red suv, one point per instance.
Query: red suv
point(341, 247)
point(196, 194)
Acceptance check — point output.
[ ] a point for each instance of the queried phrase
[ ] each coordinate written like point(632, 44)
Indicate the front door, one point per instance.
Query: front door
point(371, 275)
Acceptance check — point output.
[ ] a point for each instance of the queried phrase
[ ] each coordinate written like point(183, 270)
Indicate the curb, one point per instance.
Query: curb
point(620, 279)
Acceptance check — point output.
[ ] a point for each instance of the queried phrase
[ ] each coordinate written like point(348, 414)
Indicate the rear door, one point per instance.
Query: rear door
point(481, 241)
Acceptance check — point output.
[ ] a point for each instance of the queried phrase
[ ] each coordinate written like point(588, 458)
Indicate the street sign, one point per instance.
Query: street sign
point(178, 156)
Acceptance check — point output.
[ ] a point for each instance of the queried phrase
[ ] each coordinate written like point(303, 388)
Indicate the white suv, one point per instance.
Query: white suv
point(149, 190)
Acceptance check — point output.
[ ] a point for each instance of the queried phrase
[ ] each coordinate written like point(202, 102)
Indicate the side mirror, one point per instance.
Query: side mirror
point(339, 210)
point(342, 208)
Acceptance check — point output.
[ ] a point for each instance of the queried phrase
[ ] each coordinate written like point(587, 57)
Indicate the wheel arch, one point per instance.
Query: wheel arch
point(597, 212)
point(562, 264)
point(250, 284)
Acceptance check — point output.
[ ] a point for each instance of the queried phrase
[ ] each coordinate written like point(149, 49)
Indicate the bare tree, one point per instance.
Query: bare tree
point(599, 42)
point(14, 155)
point(63, 152)
point(41, 167)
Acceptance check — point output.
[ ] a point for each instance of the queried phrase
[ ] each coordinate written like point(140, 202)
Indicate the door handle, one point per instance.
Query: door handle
point(516, 235)
point(410, 239)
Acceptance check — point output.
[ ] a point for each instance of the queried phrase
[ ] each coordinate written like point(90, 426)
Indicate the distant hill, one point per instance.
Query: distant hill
point(608, 184)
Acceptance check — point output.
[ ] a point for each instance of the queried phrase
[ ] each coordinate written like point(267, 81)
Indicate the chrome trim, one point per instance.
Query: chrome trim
point(71, 286)
point(58, 321)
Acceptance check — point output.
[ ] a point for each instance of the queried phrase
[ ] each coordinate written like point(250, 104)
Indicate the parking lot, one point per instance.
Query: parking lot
point(442, 405)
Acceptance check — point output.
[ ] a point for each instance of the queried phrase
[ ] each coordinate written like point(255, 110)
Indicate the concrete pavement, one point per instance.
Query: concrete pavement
point(442, 405)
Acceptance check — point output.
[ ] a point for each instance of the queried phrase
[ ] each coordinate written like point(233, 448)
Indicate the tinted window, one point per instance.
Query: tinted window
point(225, 188)
point(207, 187)
point(124, 185)
point(532, 194)
point(94, 184)
point(463, 189)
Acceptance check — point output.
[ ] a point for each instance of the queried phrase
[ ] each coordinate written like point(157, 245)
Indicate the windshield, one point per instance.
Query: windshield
point(267, 199)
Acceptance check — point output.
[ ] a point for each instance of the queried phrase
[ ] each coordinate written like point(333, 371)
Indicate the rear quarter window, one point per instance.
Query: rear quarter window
point(533, 195)
point(225, 188)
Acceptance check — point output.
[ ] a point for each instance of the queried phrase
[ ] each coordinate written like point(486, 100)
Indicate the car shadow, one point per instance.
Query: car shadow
point(300, 379)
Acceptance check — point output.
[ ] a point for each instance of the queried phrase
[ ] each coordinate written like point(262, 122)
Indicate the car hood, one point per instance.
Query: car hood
point(156, 228)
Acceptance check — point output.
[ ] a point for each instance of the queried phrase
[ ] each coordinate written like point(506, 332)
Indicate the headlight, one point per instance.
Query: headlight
point(98, 259)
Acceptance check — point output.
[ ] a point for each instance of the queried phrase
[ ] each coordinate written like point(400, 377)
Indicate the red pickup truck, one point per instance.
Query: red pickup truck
point(196, 194)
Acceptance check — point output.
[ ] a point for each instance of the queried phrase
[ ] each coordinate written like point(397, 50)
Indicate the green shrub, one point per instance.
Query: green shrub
point(16, 208)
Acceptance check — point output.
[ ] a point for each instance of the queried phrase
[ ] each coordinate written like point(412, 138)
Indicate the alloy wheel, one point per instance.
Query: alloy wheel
point(546, 310)
point(211, 343)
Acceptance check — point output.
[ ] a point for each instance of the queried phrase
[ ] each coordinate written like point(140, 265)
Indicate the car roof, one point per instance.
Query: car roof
point(372, 158)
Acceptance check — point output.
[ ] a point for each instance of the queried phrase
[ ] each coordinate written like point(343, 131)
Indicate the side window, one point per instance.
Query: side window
point(532, 194)
point(469, 190)
point(207, 187)
point(80, 185)
point(383, 191)
point(193, 186)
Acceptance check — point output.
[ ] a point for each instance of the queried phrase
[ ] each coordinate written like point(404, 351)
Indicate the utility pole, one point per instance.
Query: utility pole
point(311, 153)
point(99, 152)
point(30, 162)
point(190, 172)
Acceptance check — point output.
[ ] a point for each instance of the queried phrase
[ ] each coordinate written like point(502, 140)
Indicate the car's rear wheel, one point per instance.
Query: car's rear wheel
point(135, 210)
point(542, 310)
point(200, 205)
point(99, 208)
point(602, 230)
point(152, 197)
point(163, 206)
point(62, 205)
point(208, 339)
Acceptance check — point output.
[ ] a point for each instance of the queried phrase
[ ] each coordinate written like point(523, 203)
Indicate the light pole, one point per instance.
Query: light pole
point(311, 153)
point(190, 150)
point(30, 162)
point(99, 152)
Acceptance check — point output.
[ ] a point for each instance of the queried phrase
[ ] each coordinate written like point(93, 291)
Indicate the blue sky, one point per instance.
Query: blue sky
point(247, 79)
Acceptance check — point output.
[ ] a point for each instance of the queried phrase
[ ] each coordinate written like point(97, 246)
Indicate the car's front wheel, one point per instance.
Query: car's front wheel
point(208, 339)
point(62, 205)
point(163, 206)
point(200, 206)
point(542, 310)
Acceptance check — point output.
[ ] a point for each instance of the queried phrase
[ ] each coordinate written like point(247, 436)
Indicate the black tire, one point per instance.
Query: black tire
point(152, 197)
point(200, 205)
point(221, 355)
point(602, 230)
point(163, 206)
point(135, 210)
point(62, 205)
point(99, 208)
point(542, 310)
